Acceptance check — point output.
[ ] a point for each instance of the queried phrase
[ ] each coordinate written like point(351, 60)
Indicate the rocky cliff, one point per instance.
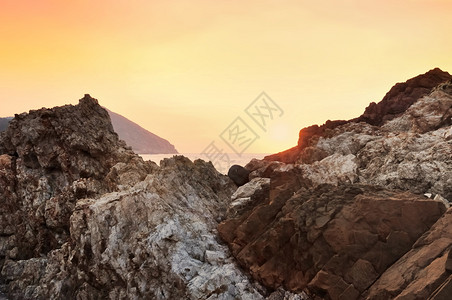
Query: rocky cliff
point(395, 103)
point(360, 208)
point(141, 140)
point(83, 217)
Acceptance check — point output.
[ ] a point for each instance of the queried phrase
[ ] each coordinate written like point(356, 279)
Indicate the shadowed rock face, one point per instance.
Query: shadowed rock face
point(336, 241)
point(401, 96)
point(344, 215)
point(49, 158)
point(423, 271)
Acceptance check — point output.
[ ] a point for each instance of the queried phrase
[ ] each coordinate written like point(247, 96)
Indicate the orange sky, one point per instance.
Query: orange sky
point(186, 69)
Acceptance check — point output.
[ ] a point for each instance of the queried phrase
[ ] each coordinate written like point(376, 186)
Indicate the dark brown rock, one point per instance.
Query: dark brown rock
point(239, 175)
point(449, 261)
point(333, 240)
point(401, 96)
point(420, 271)
point(287, 156)
point(444, 291)
point(346, 240)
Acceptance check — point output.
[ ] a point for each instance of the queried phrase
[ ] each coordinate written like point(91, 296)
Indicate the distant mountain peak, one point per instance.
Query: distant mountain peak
point(141, 140)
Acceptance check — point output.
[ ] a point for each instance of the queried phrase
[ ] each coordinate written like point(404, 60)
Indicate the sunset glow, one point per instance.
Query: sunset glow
point(186, 69)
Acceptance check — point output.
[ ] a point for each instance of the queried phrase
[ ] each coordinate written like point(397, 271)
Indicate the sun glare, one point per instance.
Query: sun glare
point(280, 133)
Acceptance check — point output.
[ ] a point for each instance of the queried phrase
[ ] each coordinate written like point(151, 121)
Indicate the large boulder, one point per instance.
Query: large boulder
point(411, 152)
point(239, 175)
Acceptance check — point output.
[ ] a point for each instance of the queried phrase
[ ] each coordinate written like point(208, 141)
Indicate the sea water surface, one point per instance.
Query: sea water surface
point(234, 159)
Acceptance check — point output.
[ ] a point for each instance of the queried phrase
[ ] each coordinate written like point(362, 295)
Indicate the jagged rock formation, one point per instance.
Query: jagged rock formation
point(83, 217)
point(401, 96)
point(410, 152)
point(141, 140)
point(395, 103)
point(343, 215)
point(422, 271)
point(156, 240)
point(50, 158)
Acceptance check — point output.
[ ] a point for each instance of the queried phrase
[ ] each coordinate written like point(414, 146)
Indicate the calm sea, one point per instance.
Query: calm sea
point(234, 159)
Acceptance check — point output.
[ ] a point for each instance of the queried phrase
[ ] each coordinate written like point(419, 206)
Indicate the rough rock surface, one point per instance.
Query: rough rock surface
point(394, 104)
point(344, 215)
point(48, 159)
point(156, 240)
point(401, 96)
point(140, 139)
point(334, 240)
point(422, 270)
point(83, 217)
point(411, 152)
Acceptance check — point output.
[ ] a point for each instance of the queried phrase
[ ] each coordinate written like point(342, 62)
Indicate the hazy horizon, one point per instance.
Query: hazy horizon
point(186, 70)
